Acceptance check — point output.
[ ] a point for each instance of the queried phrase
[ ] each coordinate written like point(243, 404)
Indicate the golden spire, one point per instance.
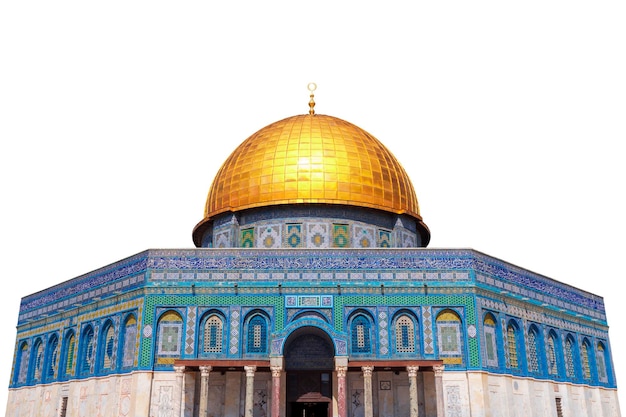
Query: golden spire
point(312, 87)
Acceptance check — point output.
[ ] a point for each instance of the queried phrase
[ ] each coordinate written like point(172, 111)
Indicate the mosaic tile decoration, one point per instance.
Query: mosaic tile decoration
point(247, 238)
point(341, 236)
point(427, 317)
point(384, 239)
point(190, 335)
point(269, 237)
point(235, 315)
point(294, 237)
point(383, 330)
point(298, 301)
point(222, 239)
point(318, 236)
point(129, 273)
point(364, 236)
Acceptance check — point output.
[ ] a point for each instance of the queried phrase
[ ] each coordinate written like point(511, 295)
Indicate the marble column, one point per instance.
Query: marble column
point(412, 370)
point(439, 389)
point(367, 388)
point(179, 391)
point(277, 371)
point(249, 406)
point(204, 390)
point(341, 391)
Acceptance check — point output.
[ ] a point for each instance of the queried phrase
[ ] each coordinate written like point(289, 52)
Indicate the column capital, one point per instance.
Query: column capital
point(205, 370)
point(341, 371)
point(179, 369)
point(412, 370)
point(276, 371)
point(438, 369)
point(367, 370)
point(250, 370)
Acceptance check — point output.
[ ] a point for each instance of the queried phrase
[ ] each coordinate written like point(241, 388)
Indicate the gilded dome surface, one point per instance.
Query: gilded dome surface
point(311, 159)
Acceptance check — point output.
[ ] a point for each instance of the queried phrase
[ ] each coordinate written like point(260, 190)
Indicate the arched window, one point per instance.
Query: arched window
point(512, 346)
point(37, 360)
point(69, 354)
point(87, 351)
point(449, 337)
point(570, 369)
point(257, 334)
point(551, 354)
point(601, 363)
point(21, 368)
point(52, 358)
point(213, 334)
point(360, 334)
point(491, 344)
point(585, 352)
point(533, 347)
point(405, 334)
point(169, 334)
point(129, 341)
point(107, 348)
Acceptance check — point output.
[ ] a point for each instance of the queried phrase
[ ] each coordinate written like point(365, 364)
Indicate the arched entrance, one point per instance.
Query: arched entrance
point(309, 360)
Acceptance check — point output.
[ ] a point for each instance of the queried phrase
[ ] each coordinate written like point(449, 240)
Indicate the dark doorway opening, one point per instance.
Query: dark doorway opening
point(309, 362)
point(312, 409)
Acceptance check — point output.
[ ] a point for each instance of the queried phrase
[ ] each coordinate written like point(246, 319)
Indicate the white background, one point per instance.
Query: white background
point(508, 116)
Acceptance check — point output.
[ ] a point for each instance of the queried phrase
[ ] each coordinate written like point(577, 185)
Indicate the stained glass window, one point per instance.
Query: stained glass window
point(360, 335)
point(570, 371)
point(491, 348)
point(257, 335)
point(533, 360)
point(405, 335)
point(130, 342)
point(213, 334)
point(551, 352)
point(511, 340)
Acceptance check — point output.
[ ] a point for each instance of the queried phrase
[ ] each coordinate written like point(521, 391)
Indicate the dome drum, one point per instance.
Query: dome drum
point(312, 226)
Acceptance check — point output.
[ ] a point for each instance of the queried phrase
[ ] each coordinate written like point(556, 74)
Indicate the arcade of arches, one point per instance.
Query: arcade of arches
point(310, 381)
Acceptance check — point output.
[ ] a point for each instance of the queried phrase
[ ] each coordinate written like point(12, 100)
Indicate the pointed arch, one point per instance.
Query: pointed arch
point(513, 356)
point(569, 354)
point(51, 362)
point(551, 353)
point(601, 362)
point(21, 367)
point(107, 354)
point(449, 338)
point(68, 367)
point(256, 325)
point(490, 340)
point(406, 333)
point(360, 325)
point(533, 340)
point(169, 334)
point(212, 341)
point(87, 350)
point(37, 360)
point(128, 344)
point(586, 359)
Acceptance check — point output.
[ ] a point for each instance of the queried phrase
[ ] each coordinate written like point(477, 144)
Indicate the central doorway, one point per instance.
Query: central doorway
point(308, 409)
point(309, 361)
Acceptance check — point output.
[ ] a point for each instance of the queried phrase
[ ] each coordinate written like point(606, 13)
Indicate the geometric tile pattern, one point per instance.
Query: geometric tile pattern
point(293, 236)
point(190, 335)
point(247, 238)
point(363, 236)
point(341, 236)
point(427, 315)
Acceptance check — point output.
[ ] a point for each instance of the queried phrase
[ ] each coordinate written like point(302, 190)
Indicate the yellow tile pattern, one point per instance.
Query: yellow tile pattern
point(311, 159)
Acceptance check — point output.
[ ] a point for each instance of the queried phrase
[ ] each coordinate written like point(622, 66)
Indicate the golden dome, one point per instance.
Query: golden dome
point(311, 159)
